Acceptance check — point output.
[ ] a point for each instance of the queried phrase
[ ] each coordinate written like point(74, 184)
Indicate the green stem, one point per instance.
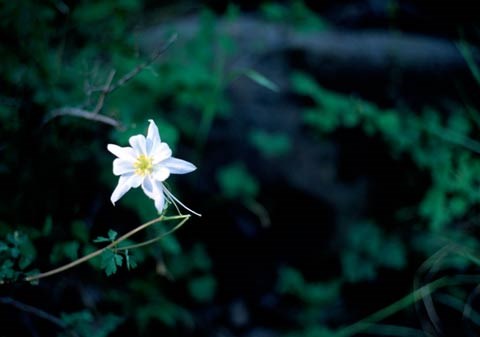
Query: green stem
point(403, 303)
point(100, 251)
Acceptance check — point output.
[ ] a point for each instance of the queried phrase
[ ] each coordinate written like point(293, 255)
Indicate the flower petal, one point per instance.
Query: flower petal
point(178, 166)
point(149, 188)
point(154, 191)
point(122, 166)
point(138, 144)
point(160, 203)
point(161, 173)
point(153, 136)
point(125, 183)
point(161, 152)
point(122, 187)
point(126, 153)
point(136, 180)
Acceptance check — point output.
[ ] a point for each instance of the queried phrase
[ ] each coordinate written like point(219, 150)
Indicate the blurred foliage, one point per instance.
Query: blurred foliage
point(439, 144)
point(236, 182)
point(16, 254)
point(314, 295)
point(442, 145)
point(294, 13)
point(270, 144)
point(367, 249)
point(86, 325)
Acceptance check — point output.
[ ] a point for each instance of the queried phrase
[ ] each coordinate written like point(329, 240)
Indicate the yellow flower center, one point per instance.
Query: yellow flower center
point(143, 165)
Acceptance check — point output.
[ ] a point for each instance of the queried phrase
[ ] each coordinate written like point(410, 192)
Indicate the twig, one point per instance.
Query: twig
point(155, 239)
point(77, 112)
point(37, 312)
point(106, 89)
point(100, 251)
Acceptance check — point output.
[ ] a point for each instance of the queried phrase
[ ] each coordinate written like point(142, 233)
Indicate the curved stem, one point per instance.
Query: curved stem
point(100, 251)
point(158, 238)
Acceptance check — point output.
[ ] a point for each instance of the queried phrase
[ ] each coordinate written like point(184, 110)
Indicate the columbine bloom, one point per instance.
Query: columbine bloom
point(148, 162)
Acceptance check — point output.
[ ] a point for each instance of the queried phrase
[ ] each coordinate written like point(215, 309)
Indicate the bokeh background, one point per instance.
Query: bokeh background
point(338, 154)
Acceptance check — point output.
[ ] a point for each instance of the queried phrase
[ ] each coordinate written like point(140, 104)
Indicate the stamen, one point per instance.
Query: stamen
point(174, 200)
point(143, 165)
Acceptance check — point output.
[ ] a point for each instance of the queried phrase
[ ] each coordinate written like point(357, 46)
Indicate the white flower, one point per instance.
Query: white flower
point(147, 163)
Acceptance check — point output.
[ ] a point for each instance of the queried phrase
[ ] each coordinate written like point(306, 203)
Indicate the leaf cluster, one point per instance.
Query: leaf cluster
point(443, 146)
point(17, 253)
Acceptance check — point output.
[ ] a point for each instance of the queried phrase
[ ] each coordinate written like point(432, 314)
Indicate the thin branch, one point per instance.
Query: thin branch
point(77, 112)
point(155, 239)
point(106, 89)
point(100, 251)
point(37, 312)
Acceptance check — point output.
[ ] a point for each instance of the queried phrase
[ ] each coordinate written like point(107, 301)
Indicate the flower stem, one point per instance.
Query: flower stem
point(111, 245)
point(155, 239)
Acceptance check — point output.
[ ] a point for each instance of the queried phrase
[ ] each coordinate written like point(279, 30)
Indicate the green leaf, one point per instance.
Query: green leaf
point(270, 144)
point(110, 261)
point(356, 268)
point(273, 11)
point(101, 239)
point(367, 249)
point(112, 234)
point(6, 270)
point(111, 237)
point(291, 282)
point(22, 248)
point(236, 182)
point(85, 324)
point(118, 259)
point(71, 319)
point(393, 253)
point(434, 207)
point(202, 288)
point(130, 261)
